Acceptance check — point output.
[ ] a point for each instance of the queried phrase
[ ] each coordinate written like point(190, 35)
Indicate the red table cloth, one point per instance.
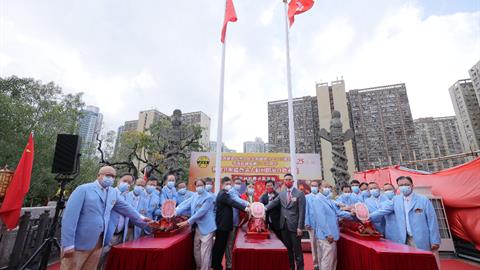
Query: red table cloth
point(357, 254)
point(172, 253)
point(261, 254)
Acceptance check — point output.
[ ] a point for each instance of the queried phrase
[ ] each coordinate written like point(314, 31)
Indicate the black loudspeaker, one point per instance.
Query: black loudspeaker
point(67, 155)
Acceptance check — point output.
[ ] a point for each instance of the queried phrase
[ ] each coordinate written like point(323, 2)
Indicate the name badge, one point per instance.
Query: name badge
point(294, 199)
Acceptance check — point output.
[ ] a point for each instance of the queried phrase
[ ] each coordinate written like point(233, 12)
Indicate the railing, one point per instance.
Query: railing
point(17, 245)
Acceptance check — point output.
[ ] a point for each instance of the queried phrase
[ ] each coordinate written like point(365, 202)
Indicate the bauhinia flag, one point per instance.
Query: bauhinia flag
point(297, 7)
point(230, 16)
point(18, 188)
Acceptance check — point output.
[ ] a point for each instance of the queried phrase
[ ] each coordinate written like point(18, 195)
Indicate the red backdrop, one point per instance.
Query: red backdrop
point(459, 188)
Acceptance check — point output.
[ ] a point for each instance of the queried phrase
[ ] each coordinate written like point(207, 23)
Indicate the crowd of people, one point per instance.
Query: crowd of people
point(99, 216)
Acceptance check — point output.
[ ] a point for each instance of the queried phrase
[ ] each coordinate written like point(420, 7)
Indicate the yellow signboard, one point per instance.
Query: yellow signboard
point(256, 168)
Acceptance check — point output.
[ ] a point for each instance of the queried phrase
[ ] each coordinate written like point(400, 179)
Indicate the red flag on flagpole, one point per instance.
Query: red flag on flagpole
point(297, 7)
point(145, 174)
point(230, 16)
point(18, 188)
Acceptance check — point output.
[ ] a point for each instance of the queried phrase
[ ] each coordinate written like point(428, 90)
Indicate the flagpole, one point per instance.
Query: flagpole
point(291, 128)
point(218, 158)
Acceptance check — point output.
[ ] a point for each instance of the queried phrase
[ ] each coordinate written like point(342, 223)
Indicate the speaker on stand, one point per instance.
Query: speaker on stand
point(66, 164)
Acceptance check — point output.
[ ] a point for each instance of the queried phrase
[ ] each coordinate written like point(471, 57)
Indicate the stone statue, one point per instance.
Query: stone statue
point(178, 140)
point(337, 138)
point(173, 151)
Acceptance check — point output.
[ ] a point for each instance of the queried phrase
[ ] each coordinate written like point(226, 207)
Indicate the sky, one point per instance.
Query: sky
point(133, 55)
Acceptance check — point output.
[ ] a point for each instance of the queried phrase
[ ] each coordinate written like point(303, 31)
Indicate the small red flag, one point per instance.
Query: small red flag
point(145, 174)
point(230, 16)
point(18, 188)
point(297, 7)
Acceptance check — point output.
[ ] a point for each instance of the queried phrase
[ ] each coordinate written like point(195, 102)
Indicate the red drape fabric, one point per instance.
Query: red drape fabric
point(175, 252)
point(459, 187)
point(261, 254)
point(357, 254)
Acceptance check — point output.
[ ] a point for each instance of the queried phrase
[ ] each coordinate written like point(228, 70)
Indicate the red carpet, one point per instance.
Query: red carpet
point(447, 264)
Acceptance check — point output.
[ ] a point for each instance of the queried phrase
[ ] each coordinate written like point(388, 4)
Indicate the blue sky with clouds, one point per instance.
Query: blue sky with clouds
point(128, 55)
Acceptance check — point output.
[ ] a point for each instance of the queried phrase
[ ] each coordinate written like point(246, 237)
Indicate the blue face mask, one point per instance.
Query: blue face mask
point(365, 193)
point(200, 189)
point(355, 189)
point(238, 187)
point(326, 192)
point(314, 190)
point(375, 192)
point(170, 184)
point(107, 181)
point(138, 190)
point(208, 187)
point(405, 190)
point(150, 189)
point(182, 191)
point(123, 187)
point(389, 194)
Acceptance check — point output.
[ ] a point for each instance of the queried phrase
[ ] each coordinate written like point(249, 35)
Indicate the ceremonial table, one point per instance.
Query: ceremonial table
point(358, 254)
point(173, 253)
point(262, 254)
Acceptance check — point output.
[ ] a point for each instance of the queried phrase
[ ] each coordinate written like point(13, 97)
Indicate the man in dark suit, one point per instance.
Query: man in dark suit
point(272, 216)
point(224, 221)
point(292, 220)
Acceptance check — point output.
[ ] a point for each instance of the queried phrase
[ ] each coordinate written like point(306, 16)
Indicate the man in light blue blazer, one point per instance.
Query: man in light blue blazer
point(151, 198)
point(415, 217)
point(324, 218)
point(356, 195)
point(86, 218)
point(183, 193)
point(200, 208)
point(137, 199)
point(373, 204)
point(346, 198)
point(391, 228)
point(310, 220)
point(168, 191)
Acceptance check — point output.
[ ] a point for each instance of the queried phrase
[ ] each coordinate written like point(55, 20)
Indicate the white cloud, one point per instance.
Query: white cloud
point(129, 58)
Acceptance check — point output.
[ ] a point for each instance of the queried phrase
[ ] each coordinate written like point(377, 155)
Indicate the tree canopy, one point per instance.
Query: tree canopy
point(28, 105)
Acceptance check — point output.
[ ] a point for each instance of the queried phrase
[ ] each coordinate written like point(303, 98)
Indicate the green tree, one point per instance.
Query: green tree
point(151, 147)
point(28, 105)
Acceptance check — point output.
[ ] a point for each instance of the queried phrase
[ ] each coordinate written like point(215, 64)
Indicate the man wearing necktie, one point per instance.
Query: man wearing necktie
point(86, 218)
point(292, 220)
point(415, 217)
point(273, 215)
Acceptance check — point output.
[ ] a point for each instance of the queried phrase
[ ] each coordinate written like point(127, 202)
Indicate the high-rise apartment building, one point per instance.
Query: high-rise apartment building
point(475, 76)
point(467, 111)
point(329, 98)
point(305, 114)
point(200, 119)
point(257, 146)
point(383, 126)
point(90, 127)
point(439, 137)
point(147, 118)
